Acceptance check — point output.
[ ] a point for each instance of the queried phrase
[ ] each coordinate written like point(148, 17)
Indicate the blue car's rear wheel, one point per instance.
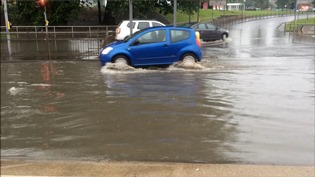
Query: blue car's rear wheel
point(188, 58)
point(121, 59)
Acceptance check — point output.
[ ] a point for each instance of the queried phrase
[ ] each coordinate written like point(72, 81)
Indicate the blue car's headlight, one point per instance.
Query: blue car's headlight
point(107, 50)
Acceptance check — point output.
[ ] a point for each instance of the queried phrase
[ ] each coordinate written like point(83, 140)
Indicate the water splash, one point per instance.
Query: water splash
point(187, 66)
point(113, 68)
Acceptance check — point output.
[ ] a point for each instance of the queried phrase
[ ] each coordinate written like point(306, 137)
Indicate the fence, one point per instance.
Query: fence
point(37, 32)
point(300, 28)
point(227, 20)
point(72, 42)
point(76, 42)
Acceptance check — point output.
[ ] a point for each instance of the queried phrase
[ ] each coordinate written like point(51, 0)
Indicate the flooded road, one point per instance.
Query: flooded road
point(251, 102)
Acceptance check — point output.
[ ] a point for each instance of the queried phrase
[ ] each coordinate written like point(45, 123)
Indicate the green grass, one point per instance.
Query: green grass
point(306, 21)
point(209, 14)
point(4, 36)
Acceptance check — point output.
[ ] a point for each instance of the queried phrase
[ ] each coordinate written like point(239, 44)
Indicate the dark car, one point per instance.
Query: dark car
point(208, 31)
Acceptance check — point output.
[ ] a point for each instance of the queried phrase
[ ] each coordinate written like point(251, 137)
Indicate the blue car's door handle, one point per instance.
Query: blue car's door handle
point(165, 45)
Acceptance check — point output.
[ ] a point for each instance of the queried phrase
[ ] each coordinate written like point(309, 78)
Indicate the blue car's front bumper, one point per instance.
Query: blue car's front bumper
point(105, 58)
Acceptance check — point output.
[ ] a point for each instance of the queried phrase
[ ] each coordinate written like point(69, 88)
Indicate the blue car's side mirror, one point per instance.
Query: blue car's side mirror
point(136, 42)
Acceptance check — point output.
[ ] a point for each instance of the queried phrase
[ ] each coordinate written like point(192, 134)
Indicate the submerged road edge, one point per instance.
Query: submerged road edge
point(147, 169)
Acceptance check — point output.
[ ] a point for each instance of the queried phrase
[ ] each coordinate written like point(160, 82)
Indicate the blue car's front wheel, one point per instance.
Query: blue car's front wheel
point(121, 59)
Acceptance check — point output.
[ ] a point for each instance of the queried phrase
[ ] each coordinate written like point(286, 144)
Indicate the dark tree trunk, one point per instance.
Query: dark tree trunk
point(99, 12)
point(108, 18)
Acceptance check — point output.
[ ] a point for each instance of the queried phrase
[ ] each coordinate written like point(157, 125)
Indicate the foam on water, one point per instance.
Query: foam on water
point(186, 66)
point(15, 90)
point(228, 39)
point(113, 68)
point(215, 43)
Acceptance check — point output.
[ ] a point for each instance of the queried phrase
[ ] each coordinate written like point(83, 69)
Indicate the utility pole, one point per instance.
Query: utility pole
point(46, 21)
point(198, 11)
point(7, 23)
point(130, 16)
point(226, 6)
point(295, 8)
point(42, 3)
point(243, 8)
point(174, 13)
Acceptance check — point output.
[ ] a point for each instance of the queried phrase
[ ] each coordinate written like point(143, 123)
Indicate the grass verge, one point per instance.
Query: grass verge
point(306, 21)
point(209, 14)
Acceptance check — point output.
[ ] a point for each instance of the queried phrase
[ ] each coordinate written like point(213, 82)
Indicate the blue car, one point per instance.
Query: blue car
point(163, 45)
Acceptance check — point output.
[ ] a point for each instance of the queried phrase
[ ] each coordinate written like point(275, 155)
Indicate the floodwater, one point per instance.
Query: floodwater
point(250, 101)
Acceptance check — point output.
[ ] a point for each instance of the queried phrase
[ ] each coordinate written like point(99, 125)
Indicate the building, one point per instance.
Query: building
point(214, 4)
point(236, 6)
point(303, 5)
point(223, 5)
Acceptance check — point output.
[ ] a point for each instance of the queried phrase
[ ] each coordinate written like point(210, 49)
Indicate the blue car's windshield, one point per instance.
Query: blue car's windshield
point(129, 37)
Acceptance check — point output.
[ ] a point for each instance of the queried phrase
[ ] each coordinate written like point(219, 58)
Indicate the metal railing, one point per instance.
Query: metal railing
point(234, 19)
point(30, 32)
point(77, 41)
point(72, 49)
point(299, 28)
point(72, 42)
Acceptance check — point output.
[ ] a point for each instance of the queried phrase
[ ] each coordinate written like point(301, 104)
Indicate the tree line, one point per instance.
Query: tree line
point(30, 12)
point(60, 12)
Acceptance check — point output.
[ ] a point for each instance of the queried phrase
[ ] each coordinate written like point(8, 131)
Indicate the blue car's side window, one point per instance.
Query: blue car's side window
point(179, 35)
point(152, 37)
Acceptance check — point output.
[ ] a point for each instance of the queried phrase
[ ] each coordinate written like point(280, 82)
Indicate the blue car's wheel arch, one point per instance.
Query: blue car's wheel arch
point(128, 57)
point(189, 53)
point(185, 52)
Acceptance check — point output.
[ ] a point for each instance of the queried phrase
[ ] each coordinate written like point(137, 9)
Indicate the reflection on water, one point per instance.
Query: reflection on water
point(111, 117)
point(71, 110)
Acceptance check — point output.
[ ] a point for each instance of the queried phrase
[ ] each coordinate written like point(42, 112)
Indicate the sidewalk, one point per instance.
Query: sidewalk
point(143, 169)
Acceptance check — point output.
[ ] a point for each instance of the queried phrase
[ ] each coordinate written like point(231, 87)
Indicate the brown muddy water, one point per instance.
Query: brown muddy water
point(250, 101)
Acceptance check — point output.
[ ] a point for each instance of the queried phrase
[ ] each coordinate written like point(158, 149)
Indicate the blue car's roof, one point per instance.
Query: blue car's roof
point(157, 27)
point(166, 27)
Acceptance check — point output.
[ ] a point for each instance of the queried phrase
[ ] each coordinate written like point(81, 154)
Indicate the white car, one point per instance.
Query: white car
point(123, 29)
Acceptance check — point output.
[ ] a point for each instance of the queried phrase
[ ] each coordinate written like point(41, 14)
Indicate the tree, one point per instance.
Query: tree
point(188, 7)
point(60, 12)
point(25, 13)
point(282, 4)
point(29, 13)
point(142, 8)
point(262, 4)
